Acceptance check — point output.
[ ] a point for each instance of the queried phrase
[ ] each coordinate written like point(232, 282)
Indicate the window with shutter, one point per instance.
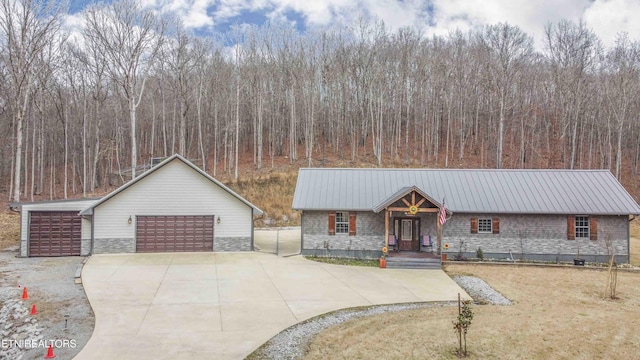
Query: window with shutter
point(593, 231)
point(352, 223)
point(342, 222)
point(474, 225)
point(332, 222)
point(485, 226)
point(582, 227)
point(571, 227)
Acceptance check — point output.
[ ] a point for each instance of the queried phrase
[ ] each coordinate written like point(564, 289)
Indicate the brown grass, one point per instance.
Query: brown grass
point(557, 314)
point(634, 250)
point(9, 229)
point(272, 193)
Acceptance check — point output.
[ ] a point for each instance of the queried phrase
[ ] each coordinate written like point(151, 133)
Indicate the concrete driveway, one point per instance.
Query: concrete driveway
point(225, 305)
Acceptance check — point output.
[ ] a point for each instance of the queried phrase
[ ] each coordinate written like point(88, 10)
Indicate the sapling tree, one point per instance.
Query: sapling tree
point(612, 274)
point(461, 325)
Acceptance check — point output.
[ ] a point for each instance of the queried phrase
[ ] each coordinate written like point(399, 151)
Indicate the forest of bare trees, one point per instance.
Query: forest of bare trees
point(78, 109)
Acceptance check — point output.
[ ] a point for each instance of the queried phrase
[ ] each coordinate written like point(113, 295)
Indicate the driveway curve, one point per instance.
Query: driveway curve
point(225, 305)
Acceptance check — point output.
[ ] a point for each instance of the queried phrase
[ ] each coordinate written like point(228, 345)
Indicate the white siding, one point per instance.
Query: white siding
point(174, 189)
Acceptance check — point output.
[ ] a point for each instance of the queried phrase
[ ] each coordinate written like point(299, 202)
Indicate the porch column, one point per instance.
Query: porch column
point(439, 232)
point(386, 228)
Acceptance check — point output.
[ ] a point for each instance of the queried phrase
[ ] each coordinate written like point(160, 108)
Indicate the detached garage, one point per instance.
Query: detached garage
point(55, 228)
point(173, 207)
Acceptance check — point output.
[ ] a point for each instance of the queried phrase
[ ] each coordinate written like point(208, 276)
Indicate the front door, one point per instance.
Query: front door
point(408, 230)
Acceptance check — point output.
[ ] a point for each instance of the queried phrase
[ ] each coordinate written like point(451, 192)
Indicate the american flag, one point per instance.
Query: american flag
point(443, 214)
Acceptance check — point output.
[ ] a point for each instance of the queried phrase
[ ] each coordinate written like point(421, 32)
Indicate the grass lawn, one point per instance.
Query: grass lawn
point(344, 261)
point(557, 314)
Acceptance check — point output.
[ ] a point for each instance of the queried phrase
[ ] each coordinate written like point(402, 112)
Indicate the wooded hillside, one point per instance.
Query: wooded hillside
point(83, 110)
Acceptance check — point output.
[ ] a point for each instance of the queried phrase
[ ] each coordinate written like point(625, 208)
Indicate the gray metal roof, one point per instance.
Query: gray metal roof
point(594, 192)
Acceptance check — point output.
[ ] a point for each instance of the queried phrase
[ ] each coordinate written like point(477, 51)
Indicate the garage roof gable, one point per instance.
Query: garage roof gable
point(175, 157)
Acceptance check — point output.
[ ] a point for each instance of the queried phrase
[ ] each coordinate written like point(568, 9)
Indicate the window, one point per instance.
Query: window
point(342, 222)
point(485, 226)
point(582, 227)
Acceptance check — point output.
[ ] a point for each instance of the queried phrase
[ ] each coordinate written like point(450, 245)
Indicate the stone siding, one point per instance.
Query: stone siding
point(24, 248)
point(536, 237)
point(232, 244)
point(114, 246)
point(85, 247)
point(530, 237)
point(368, 241)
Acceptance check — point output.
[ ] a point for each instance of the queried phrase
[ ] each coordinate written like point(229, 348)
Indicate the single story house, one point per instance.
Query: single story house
point(545, 215)
point(172, 207)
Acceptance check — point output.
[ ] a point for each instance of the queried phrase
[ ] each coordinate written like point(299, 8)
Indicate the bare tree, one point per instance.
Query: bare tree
point(508, 50)
point(129, 37)
point(28, 26)
point(572, 50)
point(623, 81)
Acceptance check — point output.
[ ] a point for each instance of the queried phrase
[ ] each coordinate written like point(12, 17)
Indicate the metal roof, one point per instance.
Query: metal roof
point(16, 205)
point(175, 157)
point(594, 192)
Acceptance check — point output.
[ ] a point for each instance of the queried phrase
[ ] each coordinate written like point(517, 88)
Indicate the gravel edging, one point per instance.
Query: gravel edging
point(480, 291)
point(291, 342)
point(64, 316)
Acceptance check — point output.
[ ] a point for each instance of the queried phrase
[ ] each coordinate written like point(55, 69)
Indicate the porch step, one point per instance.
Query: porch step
point(412, 263)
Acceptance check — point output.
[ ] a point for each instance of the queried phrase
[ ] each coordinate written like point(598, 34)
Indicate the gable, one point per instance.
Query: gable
point(173, 173)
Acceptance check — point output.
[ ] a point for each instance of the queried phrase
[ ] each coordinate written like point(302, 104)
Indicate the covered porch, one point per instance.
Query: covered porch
point(411, 224)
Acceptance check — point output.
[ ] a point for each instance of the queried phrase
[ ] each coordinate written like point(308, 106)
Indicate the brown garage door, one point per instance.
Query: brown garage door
point(174, 233)
point(55, 233)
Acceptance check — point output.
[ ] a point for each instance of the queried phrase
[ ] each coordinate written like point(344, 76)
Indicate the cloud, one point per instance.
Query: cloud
point(605, 17)
point(530, 16)
point(608, 18)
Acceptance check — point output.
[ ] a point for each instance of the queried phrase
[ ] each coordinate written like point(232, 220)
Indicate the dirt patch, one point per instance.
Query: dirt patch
point(557, 314)
point(64, 315)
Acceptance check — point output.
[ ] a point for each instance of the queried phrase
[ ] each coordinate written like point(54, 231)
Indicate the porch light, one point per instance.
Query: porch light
point(218, 220)
point(129, 221)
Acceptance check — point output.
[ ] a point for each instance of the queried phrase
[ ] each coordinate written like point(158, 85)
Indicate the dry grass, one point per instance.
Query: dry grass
point(273, 193)
point(557, 314)
point(634, 250)
point(9, 229)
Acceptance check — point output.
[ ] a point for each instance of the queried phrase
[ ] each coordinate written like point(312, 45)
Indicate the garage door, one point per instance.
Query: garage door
point(55, 233)
point(174, 233)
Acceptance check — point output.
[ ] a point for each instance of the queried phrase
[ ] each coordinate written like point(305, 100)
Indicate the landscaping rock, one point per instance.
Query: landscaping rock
point(480, 291)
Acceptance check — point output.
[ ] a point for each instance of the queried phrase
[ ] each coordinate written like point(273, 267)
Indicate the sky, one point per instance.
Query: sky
point(605, 17)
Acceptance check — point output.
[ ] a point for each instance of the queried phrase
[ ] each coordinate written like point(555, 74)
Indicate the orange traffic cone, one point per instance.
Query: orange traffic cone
point(33, 310)
point(50, 354)
point(25, 294)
